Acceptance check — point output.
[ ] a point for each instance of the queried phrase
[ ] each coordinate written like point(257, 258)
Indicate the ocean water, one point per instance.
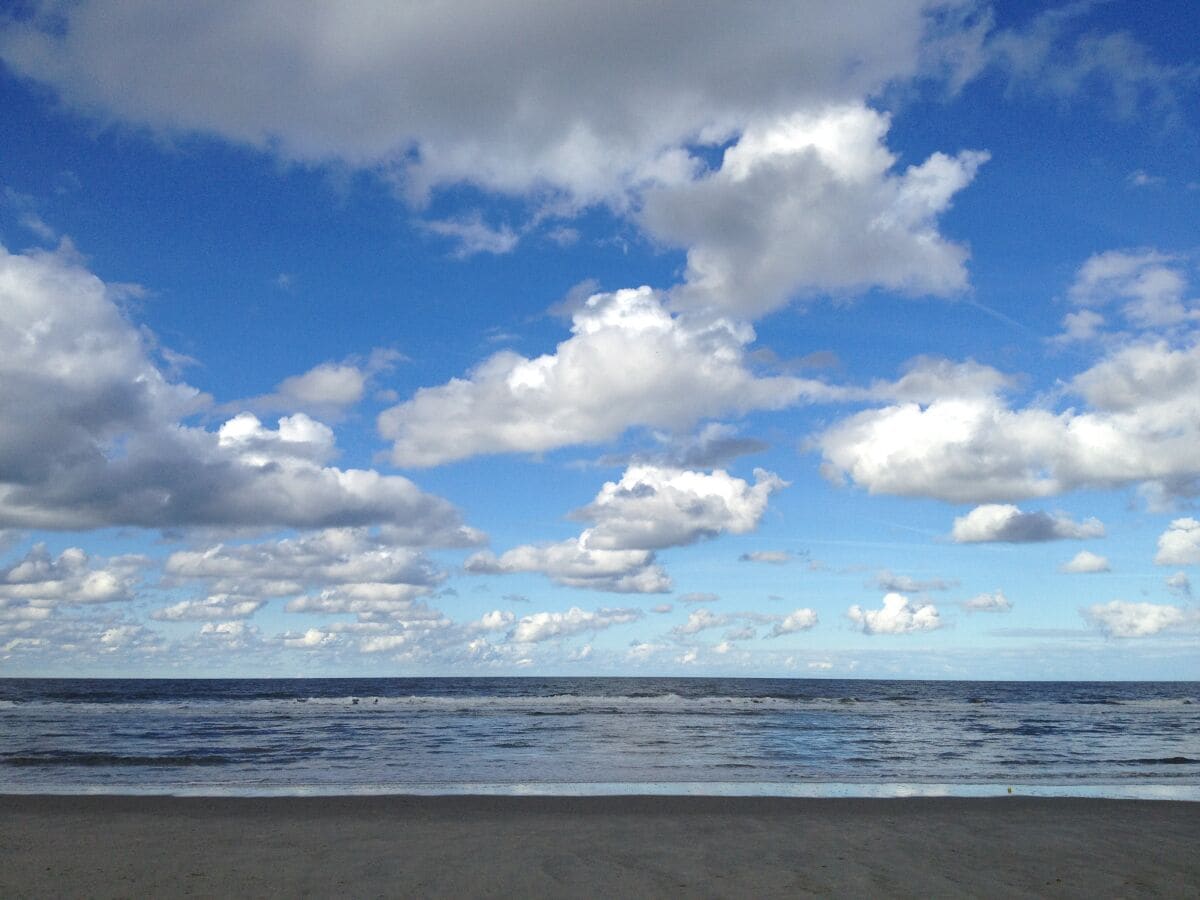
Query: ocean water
point(599, 735)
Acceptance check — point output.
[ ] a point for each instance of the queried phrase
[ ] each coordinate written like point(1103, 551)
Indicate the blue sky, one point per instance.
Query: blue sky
point(498, 339)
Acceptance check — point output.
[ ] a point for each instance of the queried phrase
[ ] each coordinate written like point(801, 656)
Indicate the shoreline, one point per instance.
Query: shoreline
point(1182, 793)
point(478, 845)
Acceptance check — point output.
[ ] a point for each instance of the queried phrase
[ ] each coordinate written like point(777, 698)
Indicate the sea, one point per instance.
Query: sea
point(583, 736)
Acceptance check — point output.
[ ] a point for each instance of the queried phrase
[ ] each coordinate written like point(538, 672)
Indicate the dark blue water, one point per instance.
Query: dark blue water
point(598, 734)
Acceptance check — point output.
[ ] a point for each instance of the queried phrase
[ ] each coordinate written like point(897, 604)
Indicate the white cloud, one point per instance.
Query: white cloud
point(1006, 523)
point(1179, 545)
point(808, 203)
point(629, 362)
point(1141, 424)
point(575, 564)
point(797, 620)
point(774, 557)
point(211, 608)
point(544, 626)
point(308, 640)
point(40, 579)
point(326, 390)
point(651, 507)
point(1085, 562)
point(94, 432)
point(1149, 287)
point(1121, 619)
point(496, 620)
point(335, 571)
point(898, 615)
point(474, 235)
point(512, 97)
point(993, 602)
point(699, 620)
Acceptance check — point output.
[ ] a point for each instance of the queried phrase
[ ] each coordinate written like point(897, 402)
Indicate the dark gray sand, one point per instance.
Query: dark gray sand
point(596, 847)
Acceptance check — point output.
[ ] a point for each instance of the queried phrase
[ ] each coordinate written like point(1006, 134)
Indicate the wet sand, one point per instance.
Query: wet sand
point(388, 846)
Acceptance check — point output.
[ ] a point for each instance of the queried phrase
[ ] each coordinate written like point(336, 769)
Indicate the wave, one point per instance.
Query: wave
point(96, 760)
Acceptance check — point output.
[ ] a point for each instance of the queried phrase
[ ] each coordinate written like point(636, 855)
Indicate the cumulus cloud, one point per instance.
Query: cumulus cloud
point(797, 620)
point(326, 390)
point(1179, 545)
point(628, 362)
point(1148, 287)
point(211, 608)
point(648, 509)
point(699, 620)
point(583, 100)
point(40, 579)
point(97, 436)
point(653, 507)
point(1121, 619)
point(1140, 423)
point(810, 203)
point(898, 615)
point(993, 602)
point(1085, 562)
point(544, 626)
point(335, 571)
point(1006, 523)
point(575, 564)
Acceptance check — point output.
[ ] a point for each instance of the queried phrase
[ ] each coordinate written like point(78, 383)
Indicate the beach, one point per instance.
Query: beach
point(477, 846)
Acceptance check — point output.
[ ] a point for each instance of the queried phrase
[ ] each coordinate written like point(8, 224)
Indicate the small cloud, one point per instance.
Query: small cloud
point(285, 281)
point(898, 615)
point(799, 620)
point(1086, 562)
point(474, 235)
point(1140, 178)
point(515, 598)
point(1005, 523)
point(993, 602)
point(563, 235)
point(888, 581)
point(1179, 584)
point(774, 557)
point(662, 608)
point(699, 597)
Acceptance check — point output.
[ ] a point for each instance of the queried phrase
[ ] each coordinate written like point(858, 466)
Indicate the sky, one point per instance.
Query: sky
point(779, 339)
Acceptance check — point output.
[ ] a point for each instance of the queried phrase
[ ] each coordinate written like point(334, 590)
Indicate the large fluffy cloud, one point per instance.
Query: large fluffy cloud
point(628, 362)
point(582, 98)
point(898, 615)
point(810, 203)
point(653, 507)
point(648, 509)
point(1007, 523)
point(1140, 423)
point(40, 579)
point(95, 435)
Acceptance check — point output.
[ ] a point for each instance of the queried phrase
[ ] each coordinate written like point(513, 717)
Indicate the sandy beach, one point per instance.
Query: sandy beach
point(595, 846)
